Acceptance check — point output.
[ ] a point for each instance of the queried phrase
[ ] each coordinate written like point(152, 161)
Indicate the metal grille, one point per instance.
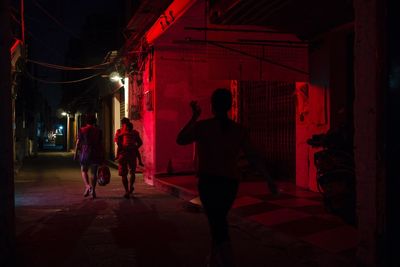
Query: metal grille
point(268, 111)
point(122, 102)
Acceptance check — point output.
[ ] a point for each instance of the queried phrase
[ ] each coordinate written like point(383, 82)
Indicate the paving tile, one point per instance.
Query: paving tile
point(255, 209)
point(245, 201)
point(305, 194)
point(331, 217)
point(306, 226)
point(335, 240)
point(268, 197)
point(349, 253)
point(295, 212)
point(288, 187)
point(317, 210)
point(188, 182)
point(316, 198)
point(253, 188)
point(278, 216)
point(295, 202)
point(178, 179)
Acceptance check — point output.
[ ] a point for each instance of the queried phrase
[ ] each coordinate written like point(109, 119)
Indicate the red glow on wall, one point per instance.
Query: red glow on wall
point(15, 45)
point(179, 72)
point(171, 14)
point(312, 117)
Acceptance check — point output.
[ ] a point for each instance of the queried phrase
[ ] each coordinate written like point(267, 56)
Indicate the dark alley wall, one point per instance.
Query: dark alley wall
point(392, 140)
point(7, 216)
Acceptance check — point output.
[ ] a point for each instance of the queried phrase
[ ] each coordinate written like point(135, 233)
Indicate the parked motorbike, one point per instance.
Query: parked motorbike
point(335, 173)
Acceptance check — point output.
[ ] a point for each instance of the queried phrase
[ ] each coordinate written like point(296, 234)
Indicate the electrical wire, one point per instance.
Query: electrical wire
point(55, 20)
point(61, 82)
point(54, 66)
point(258, 57)
point(72, 33)
point(54, 51)
point(101, 66)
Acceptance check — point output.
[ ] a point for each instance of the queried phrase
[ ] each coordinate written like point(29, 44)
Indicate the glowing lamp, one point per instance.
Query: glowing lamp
point(115, 77)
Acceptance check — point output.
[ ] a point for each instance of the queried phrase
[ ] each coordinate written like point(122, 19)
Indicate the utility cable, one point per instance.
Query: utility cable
point(72, 33)
point(54, 51)
point(55, 20)
point(60, 82)
point(262, 58)
point(101, 66)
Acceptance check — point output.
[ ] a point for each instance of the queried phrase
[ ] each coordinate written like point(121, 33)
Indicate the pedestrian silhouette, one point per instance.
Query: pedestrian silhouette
point(128, 141)
point(89, 149)
point(219, 144)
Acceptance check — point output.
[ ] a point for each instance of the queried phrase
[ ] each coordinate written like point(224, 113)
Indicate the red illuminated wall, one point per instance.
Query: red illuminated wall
point(315, 108)
point(148, 132)
point(177, 84)
point(314, 120)
point(186, 68)
point(327, 104)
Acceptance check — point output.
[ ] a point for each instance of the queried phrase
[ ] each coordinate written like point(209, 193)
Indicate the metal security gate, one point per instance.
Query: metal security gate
point(267, 109)
point(122, 102)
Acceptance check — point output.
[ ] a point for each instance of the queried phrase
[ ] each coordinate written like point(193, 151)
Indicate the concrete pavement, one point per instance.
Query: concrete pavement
point(57, 226)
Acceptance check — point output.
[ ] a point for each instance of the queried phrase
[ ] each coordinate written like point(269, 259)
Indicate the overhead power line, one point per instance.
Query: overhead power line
point(61, 82)
point(101, 66)
point(43, 43)
point(55, 20)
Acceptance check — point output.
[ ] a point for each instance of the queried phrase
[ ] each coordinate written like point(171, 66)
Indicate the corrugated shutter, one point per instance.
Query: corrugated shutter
point(268, 110)
point(122, 102)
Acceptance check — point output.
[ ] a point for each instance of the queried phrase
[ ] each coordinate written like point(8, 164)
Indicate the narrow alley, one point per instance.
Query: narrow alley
point(57, 226)
point(276, 120)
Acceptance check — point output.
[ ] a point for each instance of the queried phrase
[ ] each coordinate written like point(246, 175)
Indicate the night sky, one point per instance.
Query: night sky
point(50, 26)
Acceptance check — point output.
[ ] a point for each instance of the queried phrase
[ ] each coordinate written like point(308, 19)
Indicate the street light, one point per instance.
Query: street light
point(67, 132)
point(115, 77)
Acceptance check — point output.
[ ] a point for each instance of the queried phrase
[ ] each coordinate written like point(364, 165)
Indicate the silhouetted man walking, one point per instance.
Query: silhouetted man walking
point(219, 144)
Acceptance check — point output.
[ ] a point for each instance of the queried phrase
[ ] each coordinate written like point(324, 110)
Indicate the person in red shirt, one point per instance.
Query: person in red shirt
point(128, 141)
point(117, 136)
point(90, 150)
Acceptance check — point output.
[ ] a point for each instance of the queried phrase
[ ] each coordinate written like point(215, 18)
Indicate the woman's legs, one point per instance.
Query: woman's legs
point(132, 176)
point(93, 179)
point(132, 179)
point(85, 178)
point(123, 172)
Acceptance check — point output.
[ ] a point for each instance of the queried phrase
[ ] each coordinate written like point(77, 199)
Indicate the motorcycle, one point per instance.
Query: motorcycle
point(335, 173)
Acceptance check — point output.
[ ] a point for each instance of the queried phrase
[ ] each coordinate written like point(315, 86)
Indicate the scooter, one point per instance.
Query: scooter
point(335, 173)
